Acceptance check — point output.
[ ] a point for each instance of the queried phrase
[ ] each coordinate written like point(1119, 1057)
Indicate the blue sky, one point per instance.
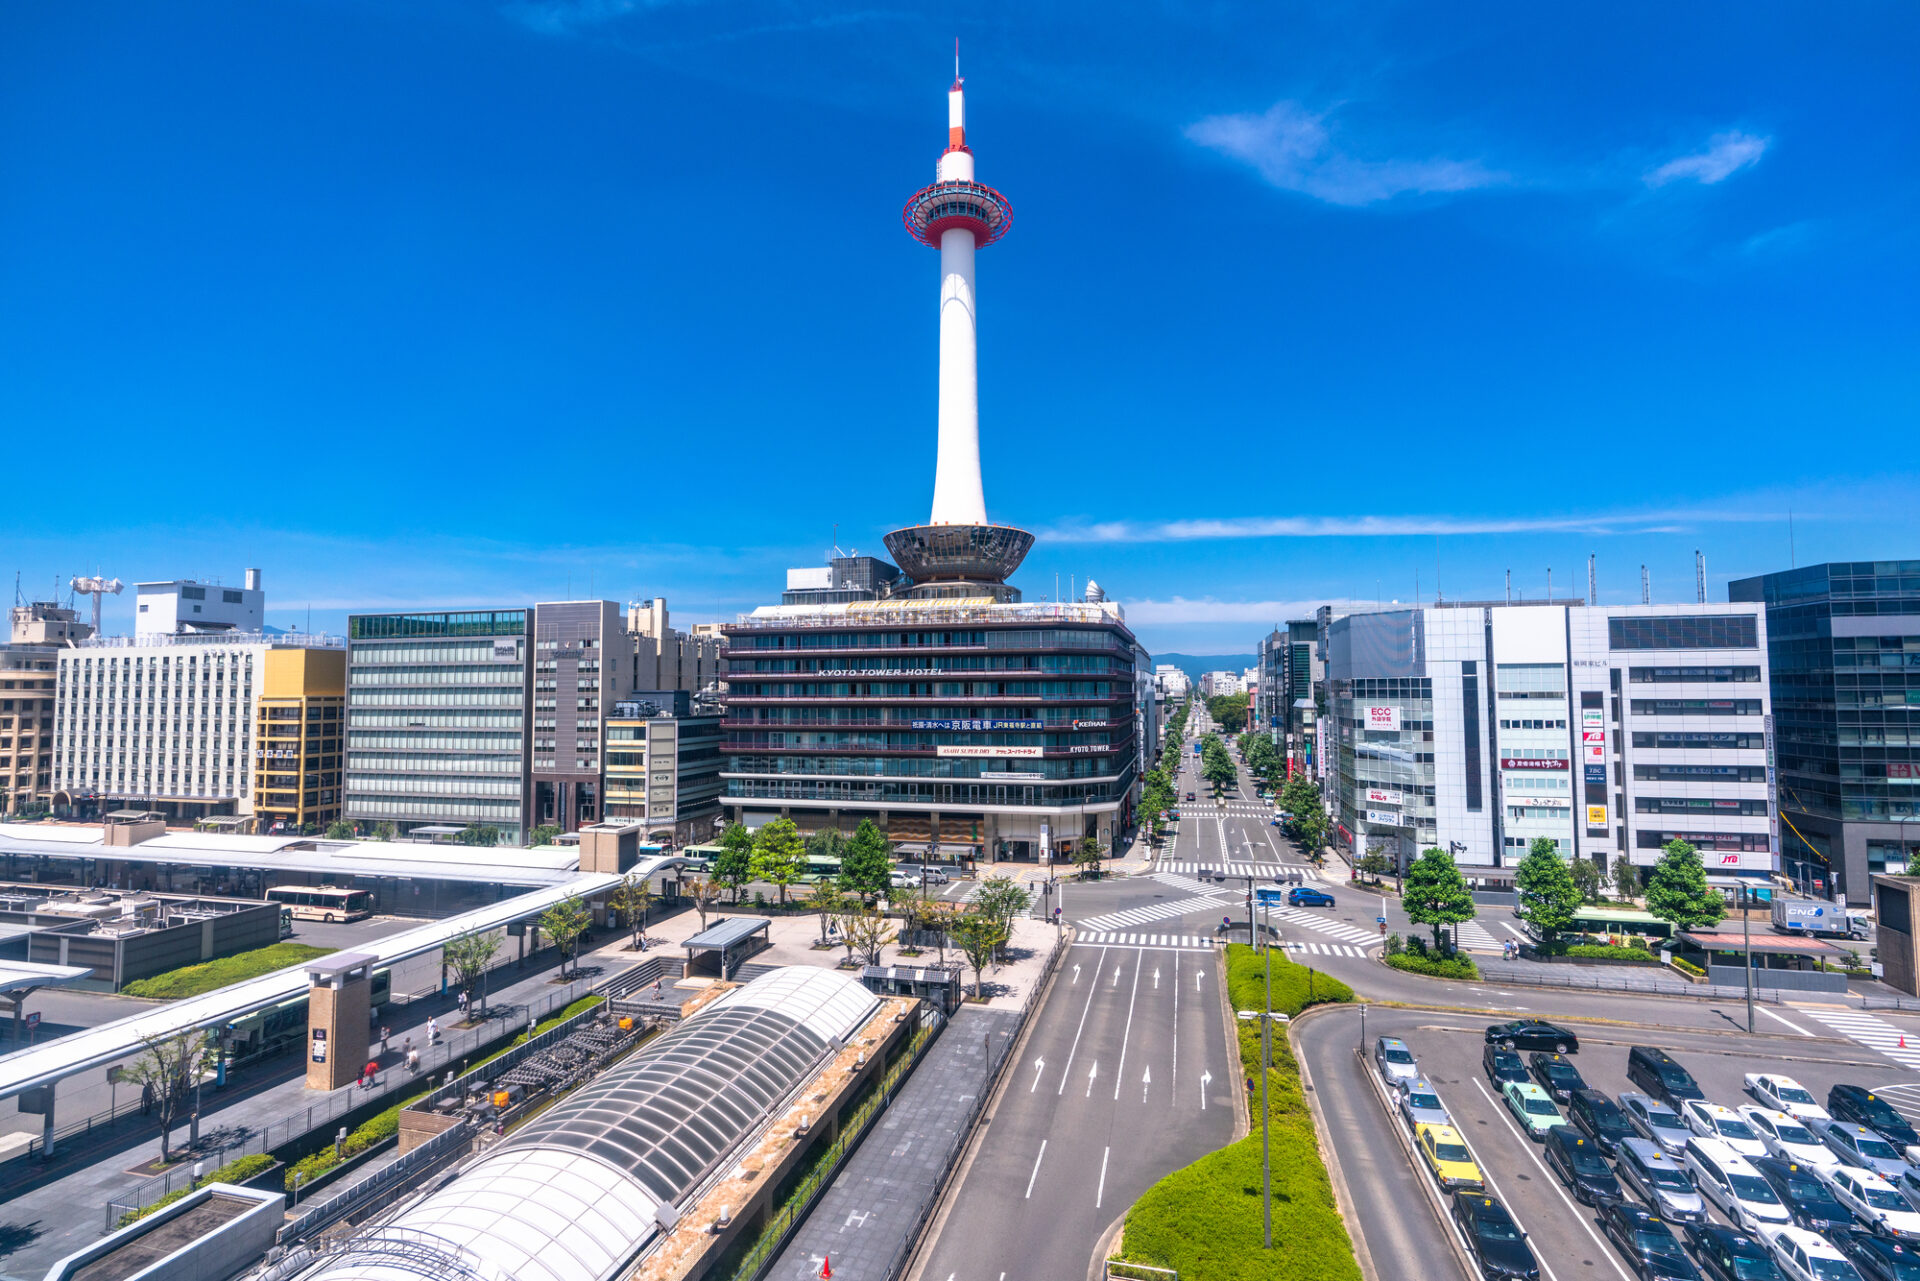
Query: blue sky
point(436, 303)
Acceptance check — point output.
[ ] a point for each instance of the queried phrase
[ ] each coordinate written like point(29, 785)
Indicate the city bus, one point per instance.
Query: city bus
point(323, 902)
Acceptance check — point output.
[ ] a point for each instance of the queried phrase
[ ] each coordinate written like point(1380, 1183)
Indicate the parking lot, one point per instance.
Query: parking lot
point(1565, 1235)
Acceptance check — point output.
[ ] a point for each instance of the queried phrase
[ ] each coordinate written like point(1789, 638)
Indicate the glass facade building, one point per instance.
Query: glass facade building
point(998, 727)
point(1843, 640)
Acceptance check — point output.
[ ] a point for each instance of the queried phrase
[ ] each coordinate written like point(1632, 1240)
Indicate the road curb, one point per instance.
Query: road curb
point(1499, 1016)
point(1329, 1154)
point(1103, 1248)
point(1432, 1198)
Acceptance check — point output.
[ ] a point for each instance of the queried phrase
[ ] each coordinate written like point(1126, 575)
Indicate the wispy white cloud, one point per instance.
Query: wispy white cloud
point(1293, 149)
point(1726, 154)
point(1174, 531)
point(565, 17)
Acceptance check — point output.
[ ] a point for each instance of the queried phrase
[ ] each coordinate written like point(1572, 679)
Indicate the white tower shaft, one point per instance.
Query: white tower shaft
point(958, 497)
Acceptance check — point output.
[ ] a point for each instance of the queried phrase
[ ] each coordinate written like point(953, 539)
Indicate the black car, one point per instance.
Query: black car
point(1495, 1239)
point(1577, 1160)
point(1648, 1243)
point(1660, 1074)
point(1861, 1106)
point(1532, 1034)
point(1728, 1254)
point(1502, 1066)
point(1879, 1258)
point(1804, 1193)
point(1600, 1117)
point(1556, 1073)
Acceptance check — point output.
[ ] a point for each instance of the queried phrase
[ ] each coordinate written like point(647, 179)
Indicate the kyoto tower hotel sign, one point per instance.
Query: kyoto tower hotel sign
point(957, 552)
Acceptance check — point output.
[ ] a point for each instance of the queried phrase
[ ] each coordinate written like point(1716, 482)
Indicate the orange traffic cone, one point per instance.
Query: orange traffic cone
point(826, 1267)
point(1903, 1040)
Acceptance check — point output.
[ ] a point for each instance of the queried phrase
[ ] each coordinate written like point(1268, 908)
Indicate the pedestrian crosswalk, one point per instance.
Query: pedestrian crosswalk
point(1109, 938)
point(1234, 868)
point(1189, 884)
point(1333, 929)
point(1325, 949)
point(1162, 911)
point(1473, 937)
point(1875, 1034)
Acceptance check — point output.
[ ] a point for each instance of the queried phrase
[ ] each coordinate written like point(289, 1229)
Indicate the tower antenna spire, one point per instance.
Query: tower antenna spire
point(956, 59)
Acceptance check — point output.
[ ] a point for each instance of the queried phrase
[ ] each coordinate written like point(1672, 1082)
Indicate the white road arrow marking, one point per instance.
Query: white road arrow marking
point(1146, 1079)
point(1093, 1070)
point(1076, 974)
point(1206, 1079)
point(1156, 978)
point(1116, 976)
point(1039, 1066)
point(1196, 979)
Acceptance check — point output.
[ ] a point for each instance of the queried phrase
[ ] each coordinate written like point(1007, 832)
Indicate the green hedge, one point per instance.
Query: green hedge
point(1458, 966)
point(1688, 967)
point(377, 1128)
point(1606, 952)
point(232, 1172)
point(1204, 1220)
point(193, 980)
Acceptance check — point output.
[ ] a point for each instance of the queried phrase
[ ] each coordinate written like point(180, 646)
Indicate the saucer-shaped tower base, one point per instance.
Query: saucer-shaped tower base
point(939, 557)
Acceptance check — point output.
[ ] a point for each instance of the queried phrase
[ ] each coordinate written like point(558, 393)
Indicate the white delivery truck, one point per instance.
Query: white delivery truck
point(1816, 916)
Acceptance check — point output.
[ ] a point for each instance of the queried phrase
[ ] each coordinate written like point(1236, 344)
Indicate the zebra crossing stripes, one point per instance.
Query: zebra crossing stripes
point(1136, 916)
point(1188, 884)
point(1108, 938)
point(1473, 936)
point(1325, 949)
point(1875, 1034)
point(1335, 929)
point(1190, 866)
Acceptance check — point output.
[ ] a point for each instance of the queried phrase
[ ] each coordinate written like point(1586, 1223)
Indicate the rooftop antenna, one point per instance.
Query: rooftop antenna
point(1593, 596)
point(18, 599)
point(1699, 577)
point(1509, 587)
point(956, 59)
point(1437, 597)
point(1646, 588)
point(1793, 561)
point(1549, 584)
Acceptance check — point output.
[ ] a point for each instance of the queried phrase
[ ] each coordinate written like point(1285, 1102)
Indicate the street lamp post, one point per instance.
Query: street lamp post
point(1266, 1114)
point(1746, 933)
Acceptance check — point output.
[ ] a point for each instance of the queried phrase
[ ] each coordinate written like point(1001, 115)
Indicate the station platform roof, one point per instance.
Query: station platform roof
point(26, 976)
point(1770, 944)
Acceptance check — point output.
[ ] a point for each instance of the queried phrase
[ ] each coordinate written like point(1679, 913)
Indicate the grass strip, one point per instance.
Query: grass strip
point(193, 980)
point(1204, 1221)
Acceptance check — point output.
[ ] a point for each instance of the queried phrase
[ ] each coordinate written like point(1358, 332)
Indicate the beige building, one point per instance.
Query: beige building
point(29, 666)
point(664, 658)
point(300, 737)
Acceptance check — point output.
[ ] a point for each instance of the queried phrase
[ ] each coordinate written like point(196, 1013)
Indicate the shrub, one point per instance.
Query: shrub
point(372, 1132)
point(1395, 945)
point(1607, 952)
point(1204, 1220)
point(1688, 967)
point(1458, 966)
point(232, 1172)
point(192, 980)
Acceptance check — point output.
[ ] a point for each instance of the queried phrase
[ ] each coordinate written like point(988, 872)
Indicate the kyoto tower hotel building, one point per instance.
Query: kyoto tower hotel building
point(925, 694)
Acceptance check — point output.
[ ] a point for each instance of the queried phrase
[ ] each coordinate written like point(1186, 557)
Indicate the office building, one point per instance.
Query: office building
point(663, 767)
point(584, 660)
point(186, 605)
point(29, 667)
point(1172, 684)
point(300, 740)
point(167, 721)
point(1843, 642)
point(930, 698)
point(437, 724)
point(666, 658)
point(1609, 730)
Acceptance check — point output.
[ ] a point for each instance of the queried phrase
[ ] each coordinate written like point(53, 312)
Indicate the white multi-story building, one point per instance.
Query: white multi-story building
point(1609, 730)
point(162, 721)
point(1218, 684)
point(1172, 683)
point(185, 605)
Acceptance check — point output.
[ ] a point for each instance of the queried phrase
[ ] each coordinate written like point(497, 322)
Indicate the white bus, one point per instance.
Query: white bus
point(323, 902)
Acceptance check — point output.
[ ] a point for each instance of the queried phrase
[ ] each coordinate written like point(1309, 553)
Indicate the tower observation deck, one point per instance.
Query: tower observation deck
point(958, 551)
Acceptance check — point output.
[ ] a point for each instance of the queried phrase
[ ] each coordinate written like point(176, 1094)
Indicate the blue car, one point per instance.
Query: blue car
point(1307, 896)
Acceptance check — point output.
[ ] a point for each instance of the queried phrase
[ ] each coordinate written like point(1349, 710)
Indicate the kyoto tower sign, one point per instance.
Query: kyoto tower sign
point(957, 552)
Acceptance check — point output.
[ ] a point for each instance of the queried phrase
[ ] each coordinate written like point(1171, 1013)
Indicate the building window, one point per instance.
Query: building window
point(1692, 675)
point(1701, 631)
point(1470, 717)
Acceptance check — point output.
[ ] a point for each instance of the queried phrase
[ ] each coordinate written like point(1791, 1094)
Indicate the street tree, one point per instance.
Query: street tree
point(1004, 898)
point(1678, 892)
point(733, 865)
point(977, 935)
point(1626, 879)
point(340, 830)
point(1586, 875)
point(1435, 893)
point(468, 956)
point(779, 856)
point(1374, 864)
point(701, 892)
point(632, 899)
point(868, 933)
point(564, 923)
point(544, 834)
point(1086, 858)
point(866, 869)
point(383, 831)
point(1549, 897)
point(485, 834)
point(827, 900)
point(172, 1067)
point(827, 843)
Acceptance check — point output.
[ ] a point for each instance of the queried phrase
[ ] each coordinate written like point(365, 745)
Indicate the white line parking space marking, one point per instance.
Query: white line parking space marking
point(1036, 1168)
point(1549, 1177)
point(1875, 1034)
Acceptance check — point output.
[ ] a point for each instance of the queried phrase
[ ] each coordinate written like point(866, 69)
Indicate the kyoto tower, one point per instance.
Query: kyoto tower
point(957, 553)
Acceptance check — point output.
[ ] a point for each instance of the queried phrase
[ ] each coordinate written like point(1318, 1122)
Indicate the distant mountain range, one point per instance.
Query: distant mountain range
point(1197, 665)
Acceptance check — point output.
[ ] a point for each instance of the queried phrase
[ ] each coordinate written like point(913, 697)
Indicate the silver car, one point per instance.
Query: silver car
point(1662, 1183)
point(1857, 1145)
point(1656, 1121)
point(1419, 1105)
point(1398, 1068)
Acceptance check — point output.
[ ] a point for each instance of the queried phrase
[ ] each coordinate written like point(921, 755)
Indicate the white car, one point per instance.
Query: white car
point(1784, 1094)
point(1808, 1256)
point(1714, 1121)
point(1724, 1178)
point(1873, 1201)
point(1787, 1139)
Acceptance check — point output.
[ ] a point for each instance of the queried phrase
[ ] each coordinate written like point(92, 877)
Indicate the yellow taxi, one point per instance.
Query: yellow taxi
point(1447, 1157)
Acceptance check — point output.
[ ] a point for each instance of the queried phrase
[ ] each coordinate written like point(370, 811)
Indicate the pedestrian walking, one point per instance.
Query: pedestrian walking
point(383, 1038)
point(146, 1099)
point(413, 1060)
point(433, 1030)
point(463, 1003)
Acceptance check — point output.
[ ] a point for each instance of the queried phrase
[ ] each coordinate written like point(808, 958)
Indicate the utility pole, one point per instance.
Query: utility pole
point(1746, 932)
point(1509, 587)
